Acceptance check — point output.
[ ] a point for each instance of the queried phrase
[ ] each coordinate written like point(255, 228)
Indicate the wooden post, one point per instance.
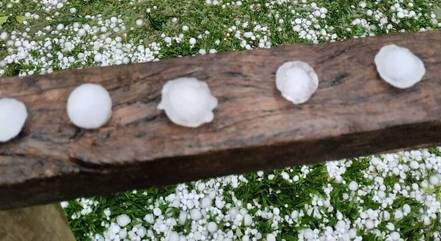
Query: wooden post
point(354, 112)
point(37, 223)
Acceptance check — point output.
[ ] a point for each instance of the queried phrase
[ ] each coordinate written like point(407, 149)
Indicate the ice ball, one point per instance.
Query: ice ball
point(13, 115)
point(297, 81)
point(187, 102)
point(399, 67)
point(89, 106)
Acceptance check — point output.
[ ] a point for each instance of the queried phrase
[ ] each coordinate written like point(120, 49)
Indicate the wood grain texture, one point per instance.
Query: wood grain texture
point(353, 113)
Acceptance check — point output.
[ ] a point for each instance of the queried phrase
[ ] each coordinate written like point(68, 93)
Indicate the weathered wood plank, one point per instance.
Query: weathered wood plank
point(352, 113)
point(38, 223)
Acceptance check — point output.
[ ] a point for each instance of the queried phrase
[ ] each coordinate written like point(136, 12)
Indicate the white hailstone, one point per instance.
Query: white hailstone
point(395, 236)
point(353, 186)
point(185, 28)
point(414, 164)
point(219, 203)
point(399, 67)
point(206, 202)
point(157, 211)
point(195, 214)
point(270, 237)
point(64, 204)
point(182, 217)
point(149, 218)
point(173, 236)
point(369, 224)
point(212, 227)
point(89, 106)
point(114, 228)
point(122, 233)
point(434, 180)
point(13, 116)
point(247, 220)
point(406, 208)
point(398, 214)
point(232, 213)
point(297, 81)
point(139, 22)
point(60, 27)
point(98, 57)
point(187, 102)
point(140, 230)
point(168, 40)
point(4, 36)
point(386, 215)
point(192, 41)
point(107, 212)
point(390, 226)
point(123, 220)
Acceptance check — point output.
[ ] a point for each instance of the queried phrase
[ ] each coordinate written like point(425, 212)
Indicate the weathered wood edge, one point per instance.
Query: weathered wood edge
point(45, 178)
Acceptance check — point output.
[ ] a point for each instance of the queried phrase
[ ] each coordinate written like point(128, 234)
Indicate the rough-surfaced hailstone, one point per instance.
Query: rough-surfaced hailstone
point(399, 67)
point(187, 102)
point(89, 106)
point(297, 81)
point(13, 116)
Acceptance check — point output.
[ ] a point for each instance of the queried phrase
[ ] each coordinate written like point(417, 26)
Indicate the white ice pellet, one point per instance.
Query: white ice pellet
point(297, 81)
point(195, 214)
point(187, 102)
point(122, 220)
point(270, 237)
point(206, 202)
point(173, 236)
point(434, 180)
point(353, 186)
point(89, 106)
point(212, 227)
point(13, 116)
point(399, 67)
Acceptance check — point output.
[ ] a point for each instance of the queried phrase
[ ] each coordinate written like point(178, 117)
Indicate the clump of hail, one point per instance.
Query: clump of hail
point(187, 102)
point(13, 116)
point(89, 106)
point(399, 67)
point(297, 81)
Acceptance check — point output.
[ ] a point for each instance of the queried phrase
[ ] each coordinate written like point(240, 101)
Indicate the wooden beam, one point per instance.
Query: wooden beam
point(353, 113)
point(38, 223)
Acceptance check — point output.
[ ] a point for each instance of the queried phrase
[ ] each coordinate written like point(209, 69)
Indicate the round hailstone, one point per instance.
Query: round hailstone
point(13, 116)
point(122, 220)
point(195, 214)
point(297, 81)
point(89, 106)
point(173, 236)
point(187, 102)
point(212, 227)
point(399, 67)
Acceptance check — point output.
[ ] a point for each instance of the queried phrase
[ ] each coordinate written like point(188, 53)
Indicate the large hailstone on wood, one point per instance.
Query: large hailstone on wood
point(399, 67)
point(13, 116)
point(187, 102)
point(89, 106)
point(297, 81)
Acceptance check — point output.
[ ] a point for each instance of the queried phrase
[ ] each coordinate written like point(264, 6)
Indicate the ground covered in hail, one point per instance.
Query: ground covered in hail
point(387, 197)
